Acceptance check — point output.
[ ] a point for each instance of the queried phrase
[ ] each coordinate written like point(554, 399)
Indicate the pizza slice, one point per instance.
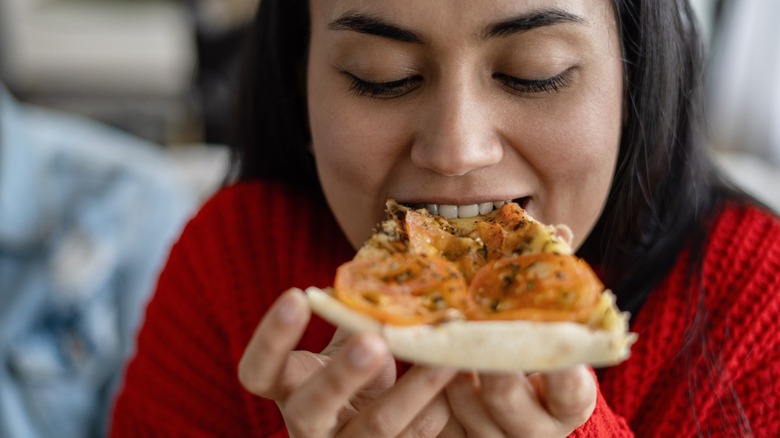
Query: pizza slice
point(500, 291)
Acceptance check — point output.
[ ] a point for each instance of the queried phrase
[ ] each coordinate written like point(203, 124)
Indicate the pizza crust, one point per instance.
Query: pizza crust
point(494, 345)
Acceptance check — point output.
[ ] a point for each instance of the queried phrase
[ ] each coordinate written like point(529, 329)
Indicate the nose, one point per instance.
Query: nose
point(456, 135)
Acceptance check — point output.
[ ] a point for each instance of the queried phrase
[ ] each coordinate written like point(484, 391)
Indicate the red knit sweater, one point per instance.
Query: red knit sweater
point(252, 241)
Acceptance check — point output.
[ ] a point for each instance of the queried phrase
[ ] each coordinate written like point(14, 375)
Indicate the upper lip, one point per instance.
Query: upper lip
point(458, 201)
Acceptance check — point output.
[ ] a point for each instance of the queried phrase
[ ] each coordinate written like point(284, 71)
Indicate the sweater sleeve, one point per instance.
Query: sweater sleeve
point(245, 246)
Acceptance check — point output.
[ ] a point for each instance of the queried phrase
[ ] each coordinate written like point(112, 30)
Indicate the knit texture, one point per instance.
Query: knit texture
point(706, 361)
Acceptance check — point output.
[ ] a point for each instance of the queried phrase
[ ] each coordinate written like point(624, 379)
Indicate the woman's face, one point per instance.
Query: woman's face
point(462, 103)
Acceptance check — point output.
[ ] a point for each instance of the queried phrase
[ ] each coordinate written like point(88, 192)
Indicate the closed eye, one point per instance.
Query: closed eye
point(531, 86)
point(383, 90)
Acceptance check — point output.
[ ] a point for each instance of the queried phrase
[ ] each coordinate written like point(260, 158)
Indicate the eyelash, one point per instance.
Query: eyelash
point(391, 89)
point(529, 86)
point(383, 90)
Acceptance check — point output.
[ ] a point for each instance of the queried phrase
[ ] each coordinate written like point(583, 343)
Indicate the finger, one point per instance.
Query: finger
point(569, 395)
point(268, 351)
point(382, 381)
point(453, 429)
point(512, 402)
point(397, 408)
point(314, 408)
point(465, 401)
point(337, 342)
point(431, 421)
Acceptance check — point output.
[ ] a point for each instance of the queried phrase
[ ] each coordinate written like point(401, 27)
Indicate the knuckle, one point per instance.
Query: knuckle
point(424, 428)
point(303, 416)
point(432, 421)
point(574, 399)
point(505, 398)
point(573, 411)
point(377, 424)
point(334, 384)
point(432, 379)
point(577, 415)
point(579, 420)
point(336, 343)
point(301, 423)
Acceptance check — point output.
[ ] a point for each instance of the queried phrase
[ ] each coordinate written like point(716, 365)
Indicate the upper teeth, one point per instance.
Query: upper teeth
point(463, 211)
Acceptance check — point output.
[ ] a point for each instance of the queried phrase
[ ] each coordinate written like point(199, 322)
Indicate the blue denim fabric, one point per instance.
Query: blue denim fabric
point(87, 217)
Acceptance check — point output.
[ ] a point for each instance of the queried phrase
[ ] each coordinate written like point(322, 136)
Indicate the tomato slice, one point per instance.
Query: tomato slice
point(537, 287)
point(402, 288)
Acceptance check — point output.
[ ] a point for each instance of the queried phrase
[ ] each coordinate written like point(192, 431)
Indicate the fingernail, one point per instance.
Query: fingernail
point(365, 351)
point(289, 308)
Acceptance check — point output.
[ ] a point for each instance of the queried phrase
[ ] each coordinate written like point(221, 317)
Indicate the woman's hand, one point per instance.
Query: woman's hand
point(542, 404)
point(348, 389)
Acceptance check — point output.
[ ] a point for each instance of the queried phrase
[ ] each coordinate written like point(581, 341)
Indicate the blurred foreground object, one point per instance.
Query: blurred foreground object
point(87, 217)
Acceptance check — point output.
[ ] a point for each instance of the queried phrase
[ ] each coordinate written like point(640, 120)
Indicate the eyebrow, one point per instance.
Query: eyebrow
point(367, 24)
point(532, 20)
point(374, 26)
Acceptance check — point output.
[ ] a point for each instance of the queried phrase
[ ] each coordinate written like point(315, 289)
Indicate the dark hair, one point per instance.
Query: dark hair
point(664, 185)
point(271, 134)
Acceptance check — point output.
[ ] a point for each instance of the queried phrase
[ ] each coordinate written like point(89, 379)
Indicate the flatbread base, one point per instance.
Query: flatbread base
point(489, 345)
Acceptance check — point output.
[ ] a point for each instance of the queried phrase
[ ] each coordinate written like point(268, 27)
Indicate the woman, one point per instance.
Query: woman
point(584, 111)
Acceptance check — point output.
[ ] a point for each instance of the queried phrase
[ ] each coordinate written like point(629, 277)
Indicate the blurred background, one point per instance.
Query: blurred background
point(114, 115)
point(743, 92)
point(113, 123)
point(159, 69)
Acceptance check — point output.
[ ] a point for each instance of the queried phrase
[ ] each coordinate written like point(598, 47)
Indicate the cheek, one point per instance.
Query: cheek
point(355, 157)
point(356, 142)
point(573, 149)
point(583, 148)
point(351, 151)
point(590, 124)
point(571, 144)
point(336, 135)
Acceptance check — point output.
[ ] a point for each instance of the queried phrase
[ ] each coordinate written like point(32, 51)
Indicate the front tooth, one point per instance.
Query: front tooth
point(466, 211)
point(485, 208)
point(462, 211)
point(448, 211)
